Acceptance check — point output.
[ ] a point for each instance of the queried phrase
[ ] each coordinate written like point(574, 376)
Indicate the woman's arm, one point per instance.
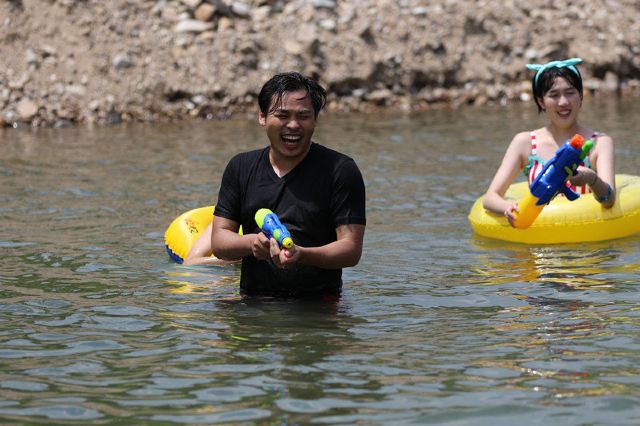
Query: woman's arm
point(512, 163)
point(604, 184)
point(201, 252)
point(601, 179)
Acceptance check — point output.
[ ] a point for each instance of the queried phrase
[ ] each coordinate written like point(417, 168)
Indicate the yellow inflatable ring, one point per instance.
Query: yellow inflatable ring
point(184, 231)
point(564, 221)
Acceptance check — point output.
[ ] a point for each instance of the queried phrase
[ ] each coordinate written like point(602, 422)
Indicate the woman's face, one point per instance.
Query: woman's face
point(562, 103)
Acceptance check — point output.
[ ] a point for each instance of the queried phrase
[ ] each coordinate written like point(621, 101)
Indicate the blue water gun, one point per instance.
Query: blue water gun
point(272, 227)
point(552, 180)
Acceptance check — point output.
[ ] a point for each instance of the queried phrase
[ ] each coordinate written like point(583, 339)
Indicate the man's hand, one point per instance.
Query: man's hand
point(283, 258)
point(261, 247)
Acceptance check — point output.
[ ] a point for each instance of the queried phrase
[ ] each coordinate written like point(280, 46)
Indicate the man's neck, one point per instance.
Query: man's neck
point(282, 165)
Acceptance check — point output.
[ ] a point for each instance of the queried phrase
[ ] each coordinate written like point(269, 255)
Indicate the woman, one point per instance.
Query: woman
point(557, 91)
point(201, 252)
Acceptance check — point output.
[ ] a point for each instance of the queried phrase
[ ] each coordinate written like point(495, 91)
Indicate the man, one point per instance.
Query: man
point(317, 193)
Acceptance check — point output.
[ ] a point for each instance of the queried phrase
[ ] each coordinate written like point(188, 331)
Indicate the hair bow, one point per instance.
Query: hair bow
point(540, 68)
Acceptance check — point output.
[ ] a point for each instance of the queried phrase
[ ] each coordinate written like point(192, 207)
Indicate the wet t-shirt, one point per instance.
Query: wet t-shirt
point(324, 191)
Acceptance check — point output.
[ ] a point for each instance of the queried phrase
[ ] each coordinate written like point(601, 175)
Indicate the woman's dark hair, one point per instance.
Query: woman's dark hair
point(545, 81)
point(272, 91)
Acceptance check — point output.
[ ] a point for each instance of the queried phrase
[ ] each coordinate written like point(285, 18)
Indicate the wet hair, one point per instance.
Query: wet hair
point(548, 77)
point(273, 90)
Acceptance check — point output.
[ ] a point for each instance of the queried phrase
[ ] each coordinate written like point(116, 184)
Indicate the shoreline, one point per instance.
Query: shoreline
point(334, 106)
point(86, 62)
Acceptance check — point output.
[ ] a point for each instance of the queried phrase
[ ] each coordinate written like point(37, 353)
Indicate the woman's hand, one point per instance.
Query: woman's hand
point(510, 213)
point(583, 176)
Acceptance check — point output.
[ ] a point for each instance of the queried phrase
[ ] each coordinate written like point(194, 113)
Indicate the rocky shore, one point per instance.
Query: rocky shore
point(67, 62)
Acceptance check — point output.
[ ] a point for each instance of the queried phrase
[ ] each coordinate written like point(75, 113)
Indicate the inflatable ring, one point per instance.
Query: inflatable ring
point(184, 231)
point(564, 221)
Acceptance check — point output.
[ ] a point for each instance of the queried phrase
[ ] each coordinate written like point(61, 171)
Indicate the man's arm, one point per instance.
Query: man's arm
point(342, 253)
point(227, 244)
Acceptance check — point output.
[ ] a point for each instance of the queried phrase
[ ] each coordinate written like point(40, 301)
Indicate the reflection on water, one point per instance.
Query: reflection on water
point(568, 266)
point(435, 325)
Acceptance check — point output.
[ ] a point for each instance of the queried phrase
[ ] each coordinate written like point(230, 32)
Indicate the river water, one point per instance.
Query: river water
point(435, 325)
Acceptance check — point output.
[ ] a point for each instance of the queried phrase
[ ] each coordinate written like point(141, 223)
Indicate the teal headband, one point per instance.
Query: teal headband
point(568, 63)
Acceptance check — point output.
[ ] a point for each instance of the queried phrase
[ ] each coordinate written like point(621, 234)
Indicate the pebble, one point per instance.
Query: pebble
point(191, 3)
point(292, 47)
point(26, 109)
point(328, 4)
point(224, 23)
point(240, 9)
point(121, 61)
point(76, 90)
point(204, 12)
point(328, 24)
point(32, 58)
point(192, 26)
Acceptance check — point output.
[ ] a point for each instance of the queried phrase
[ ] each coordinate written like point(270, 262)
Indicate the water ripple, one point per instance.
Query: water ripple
point(81, 347)
point(245, 415)
point(55, 412)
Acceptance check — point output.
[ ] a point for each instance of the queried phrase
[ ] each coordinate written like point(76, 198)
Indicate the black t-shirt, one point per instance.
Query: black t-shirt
point(324, 191)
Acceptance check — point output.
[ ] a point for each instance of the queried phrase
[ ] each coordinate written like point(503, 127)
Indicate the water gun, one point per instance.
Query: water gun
point(552, 180)
point(272, 227)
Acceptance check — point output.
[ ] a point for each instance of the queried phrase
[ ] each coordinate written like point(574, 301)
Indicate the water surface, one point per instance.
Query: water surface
point(435, 325)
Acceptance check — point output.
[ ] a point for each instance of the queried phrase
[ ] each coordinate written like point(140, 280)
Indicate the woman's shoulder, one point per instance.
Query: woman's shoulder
point(523, 140)
point(526, 135)
point(600, 136)
point(603, 143)
point(519, 149)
